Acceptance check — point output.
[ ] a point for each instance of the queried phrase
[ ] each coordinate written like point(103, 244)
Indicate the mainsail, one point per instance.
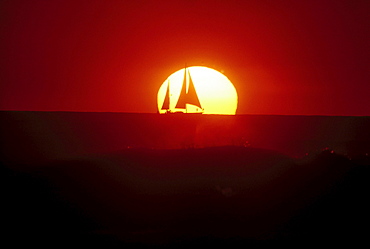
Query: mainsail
point(181, 102)
point(188, 97)
point(166, 102)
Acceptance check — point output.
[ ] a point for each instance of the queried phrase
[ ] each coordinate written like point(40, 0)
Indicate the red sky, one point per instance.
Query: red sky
point(284, 57)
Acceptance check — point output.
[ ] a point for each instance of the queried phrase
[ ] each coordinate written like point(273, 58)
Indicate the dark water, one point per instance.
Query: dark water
point(54, 135)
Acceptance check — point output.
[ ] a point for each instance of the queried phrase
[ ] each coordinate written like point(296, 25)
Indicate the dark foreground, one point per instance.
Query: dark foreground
point(115, 179)
point(189, 197)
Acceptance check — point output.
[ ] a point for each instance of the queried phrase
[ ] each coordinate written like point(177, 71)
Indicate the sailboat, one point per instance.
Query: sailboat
point(186, 97)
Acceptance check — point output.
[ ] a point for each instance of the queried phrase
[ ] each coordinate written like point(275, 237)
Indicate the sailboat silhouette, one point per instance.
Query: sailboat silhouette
point(186, 97)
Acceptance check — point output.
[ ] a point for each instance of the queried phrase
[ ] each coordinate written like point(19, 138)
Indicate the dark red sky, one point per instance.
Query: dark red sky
point(284, 57)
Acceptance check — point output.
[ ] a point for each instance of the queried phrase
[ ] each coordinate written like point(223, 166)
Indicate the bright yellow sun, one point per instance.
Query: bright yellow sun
point(197, 90)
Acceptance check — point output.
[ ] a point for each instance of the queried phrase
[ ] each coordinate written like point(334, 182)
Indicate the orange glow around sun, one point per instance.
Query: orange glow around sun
point(197, 90)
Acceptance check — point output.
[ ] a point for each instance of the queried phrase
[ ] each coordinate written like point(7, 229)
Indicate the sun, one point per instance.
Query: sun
point(197, 90)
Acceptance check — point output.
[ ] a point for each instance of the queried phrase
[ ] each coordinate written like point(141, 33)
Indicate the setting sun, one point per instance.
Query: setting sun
point(197, 90)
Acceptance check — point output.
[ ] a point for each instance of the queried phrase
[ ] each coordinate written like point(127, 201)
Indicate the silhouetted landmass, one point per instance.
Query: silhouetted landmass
point(82, 190)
